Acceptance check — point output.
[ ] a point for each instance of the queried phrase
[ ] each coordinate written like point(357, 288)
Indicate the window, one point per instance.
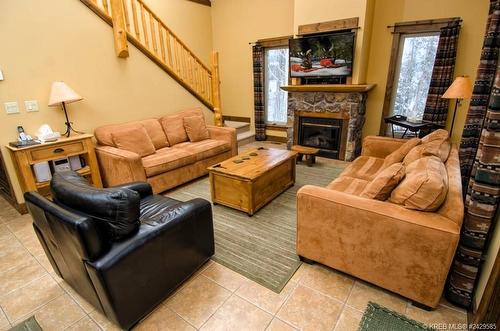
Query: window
point(275, 76)
point(413, 74)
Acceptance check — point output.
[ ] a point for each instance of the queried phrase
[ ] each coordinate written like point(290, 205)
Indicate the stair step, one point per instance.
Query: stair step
point(240, 127)
point(245, 138)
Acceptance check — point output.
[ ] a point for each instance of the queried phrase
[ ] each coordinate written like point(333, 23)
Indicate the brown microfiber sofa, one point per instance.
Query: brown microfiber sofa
point(170, 165)
point(403, 250)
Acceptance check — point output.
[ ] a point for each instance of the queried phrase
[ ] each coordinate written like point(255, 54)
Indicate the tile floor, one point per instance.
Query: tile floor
point(215, 298)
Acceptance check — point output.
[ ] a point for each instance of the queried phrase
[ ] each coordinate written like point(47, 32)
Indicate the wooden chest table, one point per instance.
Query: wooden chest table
point(252, 179)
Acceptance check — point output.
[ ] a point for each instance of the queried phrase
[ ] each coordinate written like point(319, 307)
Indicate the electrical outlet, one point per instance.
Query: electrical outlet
point(31, 105)
point(11, 107)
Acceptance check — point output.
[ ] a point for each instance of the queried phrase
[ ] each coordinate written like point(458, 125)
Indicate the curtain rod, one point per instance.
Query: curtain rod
point(426, 23)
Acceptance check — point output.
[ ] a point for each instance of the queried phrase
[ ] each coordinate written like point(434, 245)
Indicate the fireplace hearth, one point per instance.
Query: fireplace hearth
point(322, 133)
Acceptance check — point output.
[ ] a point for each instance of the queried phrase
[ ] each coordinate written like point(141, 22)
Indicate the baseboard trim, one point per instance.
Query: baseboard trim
point(236, 118)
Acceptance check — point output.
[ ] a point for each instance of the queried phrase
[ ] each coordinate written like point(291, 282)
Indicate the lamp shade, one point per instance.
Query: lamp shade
point(60, 92)
point(461, 88)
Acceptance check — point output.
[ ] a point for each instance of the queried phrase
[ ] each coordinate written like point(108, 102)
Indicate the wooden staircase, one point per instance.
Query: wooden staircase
point(244, 133)
point(133, 21)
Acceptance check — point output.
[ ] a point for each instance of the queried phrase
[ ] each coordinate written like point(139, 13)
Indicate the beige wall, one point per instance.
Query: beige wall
point(388, 12)
point(43, 41)
point(235, 24)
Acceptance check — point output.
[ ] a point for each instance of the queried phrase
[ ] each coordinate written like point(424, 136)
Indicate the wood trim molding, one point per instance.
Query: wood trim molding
point(276, 127)
point(236, 118)
point(202, 2)
point(423, 25)
point(274, 42)
point(329, 26)
point(340, 88)
point(276, 139)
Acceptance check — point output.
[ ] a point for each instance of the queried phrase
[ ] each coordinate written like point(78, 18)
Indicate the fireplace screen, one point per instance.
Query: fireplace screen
point(322, 133)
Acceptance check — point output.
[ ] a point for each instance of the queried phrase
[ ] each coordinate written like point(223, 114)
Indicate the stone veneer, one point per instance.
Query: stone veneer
point(352, 103)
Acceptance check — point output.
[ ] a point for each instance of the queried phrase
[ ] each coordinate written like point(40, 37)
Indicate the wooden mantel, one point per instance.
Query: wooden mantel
point(339, 88)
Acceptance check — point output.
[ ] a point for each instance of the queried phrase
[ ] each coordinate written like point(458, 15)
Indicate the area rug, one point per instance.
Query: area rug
point(27, 325)
point(377, 318)
point(261, 247)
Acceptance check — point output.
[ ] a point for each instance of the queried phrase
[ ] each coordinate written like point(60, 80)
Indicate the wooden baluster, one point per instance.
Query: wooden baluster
point(169, 49)
point(105, 6)
point(119, 29)
point(125, 12)
point(144, 26)
point(190, 70)
point(134, 17)
point(153, 34)
point(162, 43)
point(177, 60)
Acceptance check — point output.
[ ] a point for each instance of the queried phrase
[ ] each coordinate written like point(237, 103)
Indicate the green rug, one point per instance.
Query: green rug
point(27, 325)
point(261, 247)
point(377, 318)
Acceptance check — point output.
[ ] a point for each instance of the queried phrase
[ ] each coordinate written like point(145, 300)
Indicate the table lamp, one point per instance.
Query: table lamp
point(61, 94)
point(460, 89)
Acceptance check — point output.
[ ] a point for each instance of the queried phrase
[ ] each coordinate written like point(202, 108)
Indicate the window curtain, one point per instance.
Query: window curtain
point(258, 92)
point(479, 155)
point(436, 108)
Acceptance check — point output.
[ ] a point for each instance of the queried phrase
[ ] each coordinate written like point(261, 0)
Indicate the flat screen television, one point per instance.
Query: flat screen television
point(329, 55)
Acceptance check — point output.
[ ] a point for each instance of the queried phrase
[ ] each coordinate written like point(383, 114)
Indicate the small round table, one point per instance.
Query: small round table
point(308, 152)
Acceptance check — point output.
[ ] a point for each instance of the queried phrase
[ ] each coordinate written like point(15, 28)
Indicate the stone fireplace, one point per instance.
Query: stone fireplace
point(329, 117)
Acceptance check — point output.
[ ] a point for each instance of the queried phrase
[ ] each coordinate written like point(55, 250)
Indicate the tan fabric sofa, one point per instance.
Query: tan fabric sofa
point(169, 165)
point(405, 251)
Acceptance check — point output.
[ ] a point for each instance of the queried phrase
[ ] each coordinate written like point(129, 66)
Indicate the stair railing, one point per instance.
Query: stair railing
point(134, 21)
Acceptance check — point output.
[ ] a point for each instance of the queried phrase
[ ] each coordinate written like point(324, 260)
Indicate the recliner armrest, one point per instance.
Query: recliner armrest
point(143, 188)
point(142, 270)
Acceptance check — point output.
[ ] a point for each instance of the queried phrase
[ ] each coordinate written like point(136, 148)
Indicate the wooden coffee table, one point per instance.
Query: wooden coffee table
point(252, 179)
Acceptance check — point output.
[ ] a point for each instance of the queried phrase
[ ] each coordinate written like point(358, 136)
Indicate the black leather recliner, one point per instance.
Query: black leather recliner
point(123, 249)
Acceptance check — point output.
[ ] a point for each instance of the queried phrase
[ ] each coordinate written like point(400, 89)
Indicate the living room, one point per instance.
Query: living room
point(266, 165)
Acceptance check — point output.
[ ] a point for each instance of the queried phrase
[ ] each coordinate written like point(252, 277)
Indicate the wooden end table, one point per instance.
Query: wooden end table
point(308, 152)
point(249, 181)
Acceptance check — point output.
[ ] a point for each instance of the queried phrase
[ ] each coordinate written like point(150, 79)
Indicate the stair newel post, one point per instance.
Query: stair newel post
point(119, 28)
point(216, 89)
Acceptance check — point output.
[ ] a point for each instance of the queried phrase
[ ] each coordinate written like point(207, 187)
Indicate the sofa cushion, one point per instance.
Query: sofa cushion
point(196, 128)
point(399, 154)
point(155, 132)
point(364, 167)
point(348, 185)
point(204, 149)
point(173, 125)
point(425, 185)
point(439, 148)
point(166, 159)
point(438, 134)
point(381, 186)
point(134, 139)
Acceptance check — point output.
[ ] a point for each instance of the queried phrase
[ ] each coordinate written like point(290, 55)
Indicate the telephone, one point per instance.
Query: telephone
point(45, 133)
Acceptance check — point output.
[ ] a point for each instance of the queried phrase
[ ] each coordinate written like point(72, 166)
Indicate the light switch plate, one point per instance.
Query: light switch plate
point(1, 75)
point(11, 107)
point(31, 105)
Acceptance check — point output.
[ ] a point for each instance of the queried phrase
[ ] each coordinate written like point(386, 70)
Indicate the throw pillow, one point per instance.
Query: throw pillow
point(381, 186)
point(134, 139)
point(424, 187)
point(439, 134)
point(196, 128)
point(439, 148)
point(174, 129)
point(399, 154)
